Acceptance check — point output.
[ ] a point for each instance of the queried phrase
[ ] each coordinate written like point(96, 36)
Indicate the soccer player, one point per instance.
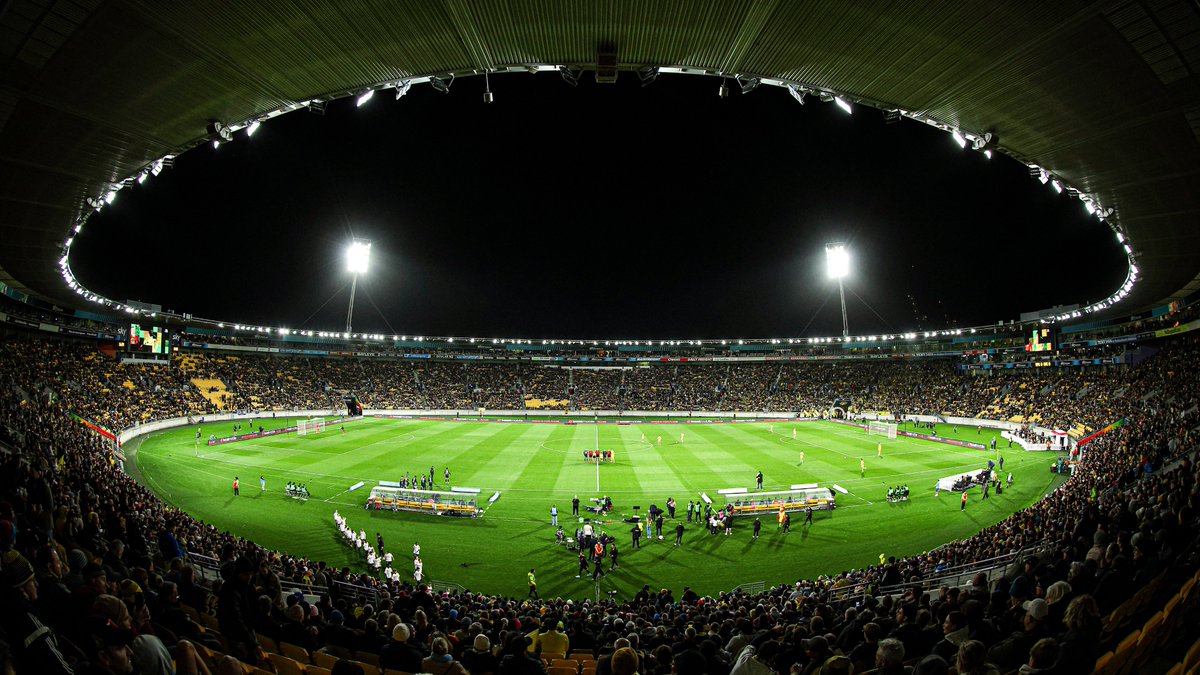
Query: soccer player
point(583, 564)
point(963, 506)
point(575, 506)
point(643, 437)
point(757, 527)
point(808, 516)
point(343, 429)
point(793, 434)
point(879, 449)
point(554, 515)
point(197, 437)
point(416, 551)
point(759, 480)
point(532, 584)
point(262, 483)
point(801, 456)
point(447, 475)
point(235, 486)
point(681, 437)
point(660, 440)
point(679, 534)
point(862, 468)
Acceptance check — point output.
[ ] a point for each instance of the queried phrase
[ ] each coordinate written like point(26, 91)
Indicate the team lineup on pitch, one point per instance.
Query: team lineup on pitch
point(529, 468)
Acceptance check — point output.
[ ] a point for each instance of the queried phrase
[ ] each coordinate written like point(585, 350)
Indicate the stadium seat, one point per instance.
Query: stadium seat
point(284, 665)
point(368, 657)
point(1192, 658)
point(588, 663)
point(318, 670)
point(294, 652)
point(564, 663)
point(1152, 632)
point(268, 644)
point(369, 669)
point(547, 657)
point(561, 670)
point(324, 659)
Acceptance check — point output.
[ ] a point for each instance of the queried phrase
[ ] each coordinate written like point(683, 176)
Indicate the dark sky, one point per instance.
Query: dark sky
point(597, 212)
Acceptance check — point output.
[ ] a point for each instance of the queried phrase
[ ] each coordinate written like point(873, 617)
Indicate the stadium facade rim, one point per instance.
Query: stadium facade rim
point(1064, 89)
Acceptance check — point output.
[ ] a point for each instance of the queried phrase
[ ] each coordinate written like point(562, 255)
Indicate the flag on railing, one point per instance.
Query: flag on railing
point(1110, 428)
point(98, 429)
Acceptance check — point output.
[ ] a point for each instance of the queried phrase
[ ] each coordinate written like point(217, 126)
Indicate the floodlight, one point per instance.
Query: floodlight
point(837, 260)
point(749, 85)
point(723, 90)
point(1057, 186)
point(1120, 238)
point(843, 104)
point(364, 97)
point(487, 89)
point(797, 93)
point(648, 75)
point(958, 138)
point(253, 128)
point(402, 89)
point(441, 85)
point(357, 256)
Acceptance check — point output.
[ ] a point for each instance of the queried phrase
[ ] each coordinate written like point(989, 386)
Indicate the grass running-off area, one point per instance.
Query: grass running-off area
point(537, 465)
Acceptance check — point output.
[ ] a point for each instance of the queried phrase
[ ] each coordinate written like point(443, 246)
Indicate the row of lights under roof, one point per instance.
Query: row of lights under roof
point(265, 330)
point(985, 143)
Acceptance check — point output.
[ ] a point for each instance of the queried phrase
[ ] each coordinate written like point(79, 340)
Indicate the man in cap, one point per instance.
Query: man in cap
point(35, 646)
point(109, 647)
point(1011, 652)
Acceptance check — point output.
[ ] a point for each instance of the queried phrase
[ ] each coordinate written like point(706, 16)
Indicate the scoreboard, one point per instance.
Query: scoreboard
point(147, 340)
point(1040, 340)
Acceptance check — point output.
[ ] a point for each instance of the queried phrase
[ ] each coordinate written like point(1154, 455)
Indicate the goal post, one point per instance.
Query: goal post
point(313, 426)
point(877, 428)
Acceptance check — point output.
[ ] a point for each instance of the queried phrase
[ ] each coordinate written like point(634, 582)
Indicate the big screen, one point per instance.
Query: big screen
point(152, 340)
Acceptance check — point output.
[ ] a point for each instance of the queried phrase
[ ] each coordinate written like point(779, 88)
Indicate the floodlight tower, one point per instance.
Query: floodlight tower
point(356, 262)
point(837, 260)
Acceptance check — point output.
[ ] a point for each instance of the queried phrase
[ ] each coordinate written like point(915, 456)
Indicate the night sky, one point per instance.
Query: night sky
point(597, 212)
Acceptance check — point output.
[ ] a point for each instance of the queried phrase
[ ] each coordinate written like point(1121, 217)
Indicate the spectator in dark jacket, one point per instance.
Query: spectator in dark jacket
point(398, 654)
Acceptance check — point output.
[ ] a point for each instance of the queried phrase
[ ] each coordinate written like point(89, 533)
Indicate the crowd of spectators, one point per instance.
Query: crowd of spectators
point(95, 571)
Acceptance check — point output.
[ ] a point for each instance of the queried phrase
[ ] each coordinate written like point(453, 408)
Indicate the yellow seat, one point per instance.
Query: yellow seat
point(323, 660)
point(368, 669)
point(294, 652)
point(285, 666)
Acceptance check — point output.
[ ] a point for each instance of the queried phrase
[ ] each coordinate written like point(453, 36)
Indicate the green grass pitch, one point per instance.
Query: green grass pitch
point(536, 465)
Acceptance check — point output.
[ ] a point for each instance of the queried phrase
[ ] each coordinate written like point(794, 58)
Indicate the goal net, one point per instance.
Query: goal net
point(875, 428)
point(313, 426)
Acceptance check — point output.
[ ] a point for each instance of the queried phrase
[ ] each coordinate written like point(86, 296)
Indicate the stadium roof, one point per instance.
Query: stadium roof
point(1105, 96)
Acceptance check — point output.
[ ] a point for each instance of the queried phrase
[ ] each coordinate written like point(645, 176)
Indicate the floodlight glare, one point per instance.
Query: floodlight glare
point(357, 256)
point(364, 97)
point(837, 260)
point(843, 104)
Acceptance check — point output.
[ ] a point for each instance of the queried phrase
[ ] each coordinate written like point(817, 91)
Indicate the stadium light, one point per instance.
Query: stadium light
point(356, 262)
point(837, 260)
point(843, 104)
point(364, 97)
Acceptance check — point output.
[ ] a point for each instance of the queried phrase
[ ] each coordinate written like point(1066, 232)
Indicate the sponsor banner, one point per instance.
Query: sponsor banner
point(416, 356)
point(1176, 330)
point(947, 441)
point(307, 352)
point(468, 357)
